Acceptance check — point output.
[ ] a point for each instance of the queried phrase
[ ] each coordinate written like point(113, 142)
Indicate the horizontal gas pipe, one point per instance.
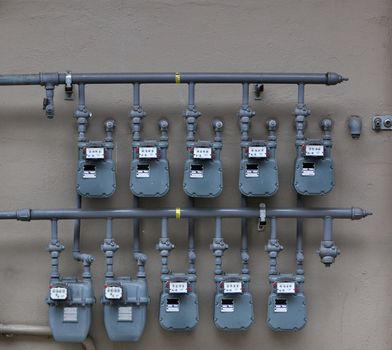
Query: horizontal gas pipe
point(10, 330)
point(172, 78)
point(72, 214)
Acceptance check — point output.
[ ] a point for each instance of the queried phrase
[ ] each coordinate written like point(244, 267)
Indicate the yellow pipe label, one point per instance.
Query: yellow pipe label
point(178, 78)
point(178, 213)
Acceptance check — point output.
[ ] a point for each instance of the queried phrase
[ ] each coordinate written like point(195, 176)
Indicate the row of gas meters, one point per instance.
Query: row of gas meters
point(125, 303)
point(203, 175)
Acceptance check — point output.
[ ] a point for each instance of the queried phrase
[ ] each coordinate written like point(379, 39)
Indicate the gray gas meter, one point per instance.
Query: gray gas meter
point(259, 169)
point(149, 166)
point(179, 309)
point(314, 174)
point(125, 308)
point(70, 302)
point(96, 173)
point(233, 308)
point(286, 303)
point(203, 168)
point(233, 305)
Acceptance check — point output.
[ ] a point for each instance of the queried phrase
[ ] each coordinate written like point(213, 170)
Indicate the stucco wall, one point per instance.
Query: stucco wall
point(349, 304)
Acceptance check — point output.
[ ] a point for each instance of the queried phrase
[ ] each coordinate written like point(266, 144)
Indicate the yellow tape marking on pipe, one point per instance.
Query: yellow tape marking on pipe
point(178, 78)
point(178, 213)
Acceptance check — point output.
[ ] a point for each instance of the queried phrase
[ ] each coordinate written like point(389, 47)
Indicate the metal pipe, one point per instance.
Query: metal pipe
point(299, 253)
point(191, 114)
point(244, 252)
point(245, 95)
point(54, 248)
point(10, 330)
point(191, 242)
point(191, 94)
point(165, 247)
point(71, 214)
point(273, 248)
point(137, 254)
point(327, 233)
point(109, 247)
point(173, 78)
point(86, 259)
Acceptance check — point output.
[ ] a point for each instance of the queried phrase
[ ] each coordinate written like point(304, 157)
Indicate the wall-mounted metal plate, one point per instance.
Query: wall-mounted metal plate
point(382, 122)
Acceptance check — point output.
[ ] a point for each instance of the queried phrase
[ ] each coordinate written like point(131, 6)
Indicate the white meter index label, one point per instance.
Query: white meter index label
point(257, 152)
point(285, 287)
point(202, 153)
point(58, 293)
point(178, 287)
point(95, 153)
point(113, 292)
point(314, 150)
point(148, 152)
point(232, 287)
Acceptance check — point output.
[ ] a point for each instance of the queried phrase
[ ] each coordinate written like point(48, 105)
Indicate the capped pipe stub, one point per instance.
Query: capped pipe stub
point(355, 126)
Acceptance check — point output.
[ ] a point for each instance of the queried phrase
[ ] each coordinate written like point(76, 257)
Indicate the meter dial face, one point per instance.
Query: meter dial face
point(58, 293)
point(113, 292)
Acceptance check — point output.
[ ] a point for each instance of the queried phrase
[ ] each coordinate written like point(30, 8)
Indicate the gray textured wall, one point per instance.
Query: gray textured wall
point(348, 304)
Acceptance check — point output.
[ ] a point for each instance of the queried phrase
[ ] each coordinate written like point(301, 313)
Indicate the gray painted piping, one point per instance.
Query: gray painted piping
point(26, 214)
point(54, 249)
point(244, 253)
point(172, 78)
point(109, 248)
point(299, 253)
point(327, 235)
point(191, 242)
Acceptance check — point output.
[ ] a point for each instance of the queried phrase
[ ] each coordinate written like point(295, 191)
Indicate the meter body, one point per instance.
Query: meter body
point(179, 306)
point(286, 303)
point(70, 302)
point(96, 173)
point(313, 169)
point(125, 303)
point(203, 175)
point(149, 170)
point(258, 170)
point(233, 306)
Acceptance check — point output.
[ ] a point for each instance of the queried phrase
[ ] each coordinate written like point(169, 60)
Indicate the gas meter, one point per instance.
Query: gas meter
point(233, 308)
point(203, 169)
point(150, 167)
point(70, 302)
point(286, 303)
point(314, 173)
point(125, 308)
point(179, 309)
point(96, 174)
point(258, 167)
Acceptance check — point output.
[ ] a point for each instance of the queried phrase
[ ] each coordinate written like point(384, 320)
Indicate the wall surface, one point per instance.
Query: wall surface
point(348, 304)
